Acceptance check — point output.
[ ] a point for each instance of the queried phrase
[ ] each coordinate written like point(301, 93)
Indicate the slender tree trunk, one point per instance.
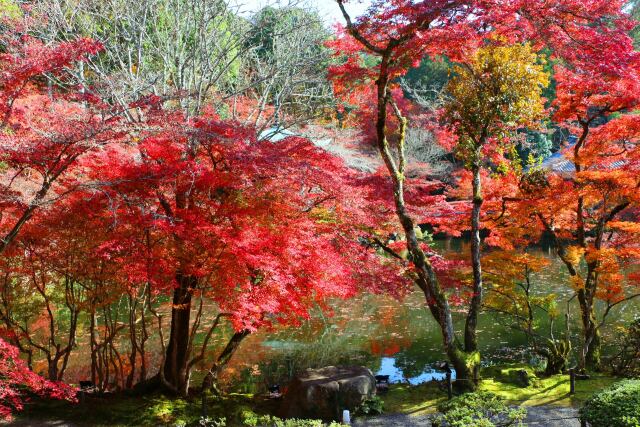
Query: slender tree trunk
point(210, 381)
point(133, 355)
point(70, 346)
point(143, 340)
point(465, 363)
point(471, 327)
point(177, 358)
point(94, 347)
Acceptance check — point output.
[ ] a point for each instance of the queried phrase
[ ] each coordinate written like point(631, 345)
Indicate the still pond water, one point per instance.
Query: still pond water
point(391, 337)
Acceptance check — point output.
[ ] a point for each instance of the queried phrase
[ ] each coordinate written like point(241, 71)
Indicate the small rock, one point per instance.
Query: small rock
point(523, 378)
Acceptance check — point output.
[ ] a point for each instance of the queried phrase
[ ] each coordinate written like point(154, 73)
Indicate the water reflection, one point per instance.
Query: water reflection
point(399, 375)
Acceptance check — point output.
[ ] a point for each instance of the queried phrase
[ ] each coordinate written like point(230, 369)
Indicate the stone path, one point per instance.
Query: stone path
point(537, 416)
point(393, 420)
point(552, 416)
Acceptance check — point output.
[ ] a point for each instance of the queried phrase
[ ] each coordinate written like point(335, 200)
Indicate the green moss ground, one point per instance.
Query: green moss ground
point(150, 410)
point(413, 400)
point(502, 381)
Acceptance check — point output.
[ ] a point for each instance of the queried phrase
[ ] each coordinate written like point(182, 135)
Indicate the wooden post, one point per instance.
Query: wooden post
point(204, 403)
point(449, 385)
point(572, 381)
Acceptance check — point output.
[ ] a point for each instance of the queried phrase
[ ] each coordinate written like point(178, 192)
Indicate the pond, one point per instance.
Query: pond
point(391, 337)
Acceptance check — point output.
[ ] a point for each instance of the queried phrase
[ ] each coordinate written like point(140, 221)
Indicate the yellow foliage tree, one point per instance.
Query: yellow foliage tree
point(495, 92)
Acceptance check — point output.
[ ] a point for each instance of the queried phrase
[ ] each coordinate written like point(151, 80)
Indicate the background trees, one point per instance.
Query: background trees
point(512, 291)
point(286, 67)
point(262, 69)
point(580, 208)
point(184, 50)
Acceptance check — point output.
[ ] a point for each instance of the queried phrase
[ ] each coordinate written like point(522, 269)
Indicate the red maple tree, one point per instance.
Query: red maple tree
point(17, 381)
point(590, 36)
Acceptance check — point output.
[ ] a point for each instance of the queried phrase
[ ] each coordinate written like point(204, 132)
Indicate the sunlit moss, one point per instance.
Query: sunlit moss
point(553, 390)
point(413, 400)
point(423, 399)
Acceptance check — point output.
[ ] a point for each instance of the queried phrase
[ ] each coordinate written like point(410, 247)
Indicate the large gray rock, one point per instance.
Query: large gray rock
point(324, 393)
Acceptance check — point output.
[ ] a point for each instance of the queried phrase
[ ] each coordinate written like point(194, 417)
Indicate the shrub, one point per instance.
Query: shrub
point(17, 382)
point(271, 421)
point(616, 406)
point(481, 409)
point(211, 422)
point(373, 406)
point(627, 361)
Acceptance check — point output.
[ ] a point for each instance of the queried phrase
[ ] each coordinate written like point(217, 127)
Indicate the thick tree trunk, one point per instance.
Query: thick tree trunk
point(589, 357)
point(591, 346)
point(594, 352)
point(467, 367)
point(557, 355)
point(176, 376)
point(53, 369)
point(471, 326)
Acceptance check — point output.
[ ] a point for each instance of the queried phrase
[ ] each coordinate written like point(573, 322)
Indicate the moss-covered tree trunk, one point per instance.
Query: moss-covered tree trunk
point(591, 347)
point(589, 357)
point(556, 353)
point(466, 363)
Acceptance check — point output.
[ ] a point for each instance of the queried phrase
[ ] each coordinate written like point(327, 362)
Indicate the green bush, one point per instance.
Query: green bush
point(481, 409)
point(616, 406)
point(212, 422)
point(627, 361)
point(373, 406)
point(255, 420)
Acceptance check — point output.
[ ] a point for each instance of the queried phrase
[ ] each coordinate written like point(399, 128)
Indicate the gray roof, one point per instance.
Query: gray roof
point(275, 134)
point(559, 163)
